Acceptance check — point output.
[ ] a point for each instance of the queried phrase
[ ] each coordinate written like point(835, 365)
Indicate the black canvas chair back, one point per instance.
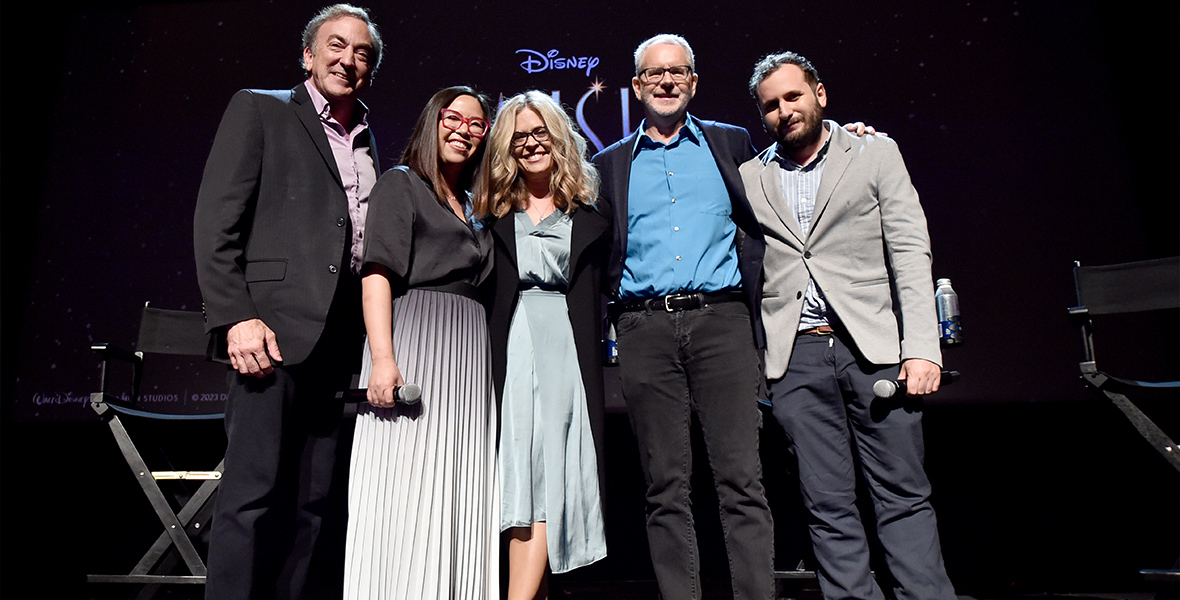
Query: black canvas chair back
point(163, 331)
point(1136, 287)
point(184, 513)
point(1119, 289)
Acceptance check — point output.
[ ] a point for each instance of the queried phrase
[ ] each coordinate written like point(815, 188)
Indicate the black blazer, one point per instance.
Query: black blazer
point(271, 226)
point(588, 249)
point(731, 147)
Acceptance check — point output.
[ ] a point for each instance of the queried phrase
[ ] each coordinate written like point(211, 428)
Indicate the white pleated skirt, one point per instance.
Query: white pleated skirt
point(423, 491)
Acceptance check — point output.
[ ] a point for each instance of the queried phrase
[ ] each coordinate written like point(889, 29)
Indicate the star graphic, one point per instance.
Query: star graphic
point(597, 87)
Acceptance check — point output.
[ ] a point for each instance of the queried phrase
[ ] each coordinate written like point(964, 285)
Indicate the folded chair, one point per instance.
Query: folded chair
point(1128, 288)
point(185, 517)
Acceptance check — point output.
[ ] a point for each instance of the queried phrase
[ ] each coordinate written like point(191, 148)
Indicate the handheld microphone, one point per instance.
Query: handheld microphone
point(888, 388)
point(408, 394)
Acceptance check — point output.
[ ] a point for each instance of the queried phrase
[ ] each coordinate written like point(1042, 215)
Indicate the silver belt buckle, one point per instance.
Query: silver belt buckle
point(670, 297)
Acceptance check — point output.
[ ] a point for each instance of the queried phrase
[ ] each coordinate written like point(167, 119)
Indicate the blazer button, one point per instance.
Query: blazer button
point(340, 222)
point(807, 254)
point(332, 269)
point(798, 295)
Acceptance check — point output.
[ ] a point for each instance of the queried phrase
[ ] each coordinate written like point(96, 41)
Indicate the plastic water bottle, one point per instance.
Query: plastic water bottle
point(611, 346)
point(950, 329)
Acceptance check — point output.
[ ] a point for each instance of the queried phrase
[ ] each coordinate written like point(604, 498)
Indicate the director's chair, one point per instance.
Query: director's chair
point(161, 332)
point(1118, 289)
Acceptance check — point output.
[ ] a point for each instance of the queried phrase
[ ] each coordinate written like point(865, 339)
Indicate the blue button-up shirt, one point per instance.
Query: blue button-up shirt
point(680, 235)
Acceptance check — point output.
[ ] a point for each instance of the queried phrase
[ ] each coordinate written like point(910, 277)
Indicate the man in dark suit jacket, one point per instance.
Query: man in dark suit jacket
point(277, 235)
point(684, 270)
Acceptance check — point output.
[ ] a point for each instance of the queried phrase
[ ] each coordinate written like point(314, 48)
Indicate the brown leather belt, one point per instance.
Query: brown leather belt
point(821, 330)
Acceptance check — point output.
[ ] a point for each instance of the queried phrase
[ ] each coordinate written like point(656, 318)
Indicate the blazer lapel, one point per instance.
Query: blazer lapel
point(372, 152)
point(311, 122)
point(839, 157)
point(588, 226)
point(723, 155)
point(505, 230)
point(616, 164)
point(772, 190)
point(622, 183)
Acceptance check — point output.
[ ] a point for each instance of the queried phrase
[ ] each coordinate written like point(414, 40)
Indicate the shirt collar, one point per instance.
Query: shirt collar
point(689, 132)
point(787, 163)
point(324, 110)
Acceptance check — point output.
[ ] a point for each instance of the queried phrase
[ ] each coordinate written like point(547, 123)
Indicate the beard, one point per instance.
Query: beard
point(805, 135)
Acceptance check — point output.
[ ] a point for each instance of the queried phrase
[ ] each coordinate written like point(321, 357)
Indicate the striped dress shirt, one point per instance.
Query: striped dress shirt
point(800, 184)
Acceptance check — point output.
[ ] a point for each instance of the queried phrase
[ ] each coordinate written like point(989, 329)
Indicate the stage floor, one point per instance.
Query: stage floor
point(1040, 501)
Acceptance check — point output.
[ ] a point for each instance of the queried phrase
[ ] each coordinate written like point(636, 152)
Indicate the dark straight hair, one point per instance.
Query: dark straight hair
point(421, 154)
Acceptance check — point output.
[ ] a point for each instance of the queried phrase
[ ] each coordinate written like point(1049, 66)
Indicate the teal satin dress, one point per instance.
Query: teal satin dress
point(548, 467)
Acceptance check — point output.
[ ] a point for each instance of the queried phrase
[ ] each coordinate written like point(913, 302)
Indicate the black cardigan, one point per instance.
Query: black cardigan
point(589, 245)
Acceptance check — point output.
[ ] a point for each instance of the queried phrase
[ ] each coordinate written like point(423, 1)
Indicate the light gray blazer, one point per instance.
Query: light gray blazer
point(868, 251)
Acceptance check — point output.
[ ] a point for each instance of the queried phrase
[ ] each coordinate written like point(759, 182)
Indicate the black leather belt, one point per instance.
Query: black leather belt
point(678, 302)
point(462, 288)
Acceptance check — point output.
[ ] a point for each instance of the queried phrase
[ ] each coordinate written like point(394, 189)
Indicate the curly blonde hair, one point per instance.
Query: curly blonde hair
point(501, 186)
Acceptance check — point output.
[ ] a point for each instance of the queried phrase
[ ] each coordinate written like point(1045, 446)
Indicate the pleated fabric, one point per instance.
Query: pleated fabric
point(423, 495)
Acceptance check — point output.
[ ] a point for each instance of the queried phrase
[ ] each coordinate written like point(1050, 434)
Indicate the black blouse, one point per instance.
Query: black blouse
point(420, 241)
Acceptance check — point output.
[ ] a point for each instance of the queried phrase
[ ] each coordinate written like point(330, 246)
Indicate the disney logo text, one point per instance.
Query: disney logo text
point(535, 62)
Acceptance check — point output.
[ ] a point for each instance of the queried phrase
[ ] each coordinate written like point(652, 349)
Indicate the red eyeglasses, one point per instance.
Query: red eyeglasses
point(476, 127)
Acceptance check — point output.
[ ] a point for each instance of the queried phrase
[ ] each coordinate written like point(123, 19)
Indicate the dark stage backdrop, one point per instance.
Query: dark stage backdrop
point(1036, 133)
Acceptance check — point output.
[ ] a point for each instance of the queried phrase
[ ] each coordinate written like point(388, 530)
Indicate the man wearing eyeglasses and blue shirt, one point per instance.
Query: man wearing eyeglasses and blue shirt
point(684, 272)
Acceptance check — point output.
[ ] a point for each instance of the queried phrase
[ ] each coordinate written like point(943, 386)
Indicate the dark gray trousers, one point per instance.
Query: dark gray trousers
point(279, 520)
point(826, 405)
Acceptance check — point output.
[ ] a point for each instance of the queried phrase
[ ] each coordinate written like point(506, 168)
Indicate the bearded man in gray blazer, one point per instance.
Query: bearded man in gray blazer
point(847, 300)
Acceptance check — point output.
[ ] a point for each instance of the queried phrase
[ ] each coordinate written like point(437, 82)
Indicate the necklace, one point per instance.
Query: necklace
point(539, 214)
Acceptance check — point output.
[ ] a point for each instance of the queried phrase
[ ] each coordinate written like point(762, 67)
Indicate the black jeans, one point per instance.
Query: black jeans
point(671, 363)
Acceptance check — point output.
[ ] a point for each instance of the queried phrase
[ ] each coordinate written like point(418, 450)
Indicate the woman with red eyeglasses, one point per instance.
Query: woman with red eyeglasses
point(423, 504)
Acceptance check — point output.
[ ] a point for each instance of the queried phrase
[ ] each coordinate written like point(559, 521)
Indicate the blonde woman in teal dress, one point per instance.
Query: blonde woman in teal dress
point(537, 189)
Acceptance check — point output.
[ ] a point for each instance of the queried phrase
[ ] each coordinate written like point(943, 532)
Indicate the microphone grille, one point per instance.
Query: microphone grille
point(884, 388)
point(411, 393)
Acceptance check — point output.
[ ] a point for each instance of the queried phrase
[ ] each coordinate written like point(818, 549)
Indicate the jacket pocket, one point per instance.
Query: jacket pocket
point(870, 282)
point(266, 270)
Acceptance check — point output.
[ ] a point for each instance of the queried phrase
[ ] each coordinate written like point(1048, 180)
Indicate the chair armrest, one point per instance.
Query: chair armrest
point(1079, 316)
point(111, 351)
point(108, 351)
point(353, 395)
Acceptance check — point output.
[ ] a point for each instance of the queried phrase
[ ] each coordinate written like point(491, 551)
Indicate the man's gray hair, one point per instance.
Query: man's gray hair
point(665, 38)
point(339, 11)
point(771, 63)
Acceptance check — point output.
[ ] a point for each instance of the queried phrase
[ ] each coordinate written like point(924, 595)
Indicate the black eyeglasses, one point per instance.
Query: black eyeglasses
point(679, 73)
point(452, 120)
point(520, 138)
